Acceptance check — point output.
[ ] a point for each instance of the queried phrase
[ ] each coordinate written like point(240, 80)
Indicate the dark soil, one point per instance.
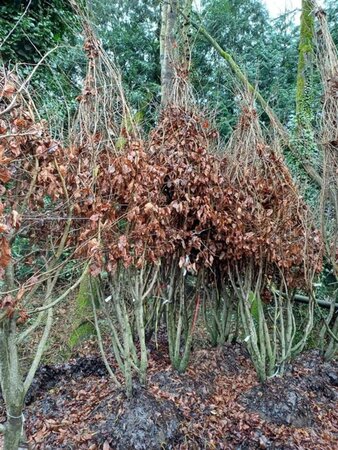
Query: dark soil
point(141, 423)
point(48, 376)
point(281, 402)
point(217, 404)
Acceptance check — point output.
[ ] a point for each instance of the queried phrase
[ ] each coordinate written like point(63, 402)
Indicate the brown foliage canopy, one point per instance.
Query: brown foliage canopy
point(169, 197)
point(32, 168)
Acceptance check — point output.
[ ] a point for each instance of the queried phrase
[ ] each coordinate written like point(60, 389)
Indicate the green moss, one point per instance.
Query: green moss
point(304, 138)
point(83, 314)
point(83, 300)
point(81, 333)
point(304, 93)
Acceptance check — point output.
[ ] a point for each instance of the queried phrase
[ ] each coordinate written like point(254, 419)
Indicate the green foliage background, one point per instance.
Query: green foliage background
point(266, 49)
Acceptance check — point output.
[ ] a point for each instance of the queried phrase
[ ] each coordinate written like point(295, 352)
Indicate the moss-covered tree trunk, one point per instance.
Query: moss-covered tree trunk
point(304, 93)
point(83, 327)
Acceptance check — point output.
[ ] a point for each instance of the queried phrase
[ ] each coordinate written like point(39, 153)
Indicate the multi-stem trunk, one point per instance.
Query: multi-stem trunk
point(181, 317)
point(219, 314)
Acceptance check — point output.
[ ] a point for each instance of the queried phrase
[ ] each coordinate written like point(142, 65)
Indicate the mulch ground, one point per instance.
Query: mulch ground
point(217, 404)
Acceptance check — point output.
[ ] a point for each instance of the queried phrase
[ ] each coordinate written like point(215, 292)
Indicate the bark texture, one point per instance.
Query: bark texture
point(168, 48)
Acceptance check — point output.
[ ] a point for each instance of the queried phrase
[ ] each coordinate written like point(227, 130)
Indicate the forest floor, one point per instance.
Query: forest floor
point(217, 404)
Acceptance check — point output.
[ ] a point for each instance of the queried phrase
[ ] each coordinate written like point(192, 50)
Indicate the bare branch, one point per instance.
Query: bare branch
point(12, 104)
point(17, 23)
point(62, 296)
point(309, 169)
point(39, 352)
point(32, 328)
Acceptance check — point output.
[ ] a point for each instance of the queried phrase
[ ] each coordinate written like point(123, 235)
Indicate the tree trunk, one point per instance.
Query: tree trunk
point(185, 35)
point(11, 385)
point(13, 433)
point(304, 93)
point(168, 49)
point(305, 59)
